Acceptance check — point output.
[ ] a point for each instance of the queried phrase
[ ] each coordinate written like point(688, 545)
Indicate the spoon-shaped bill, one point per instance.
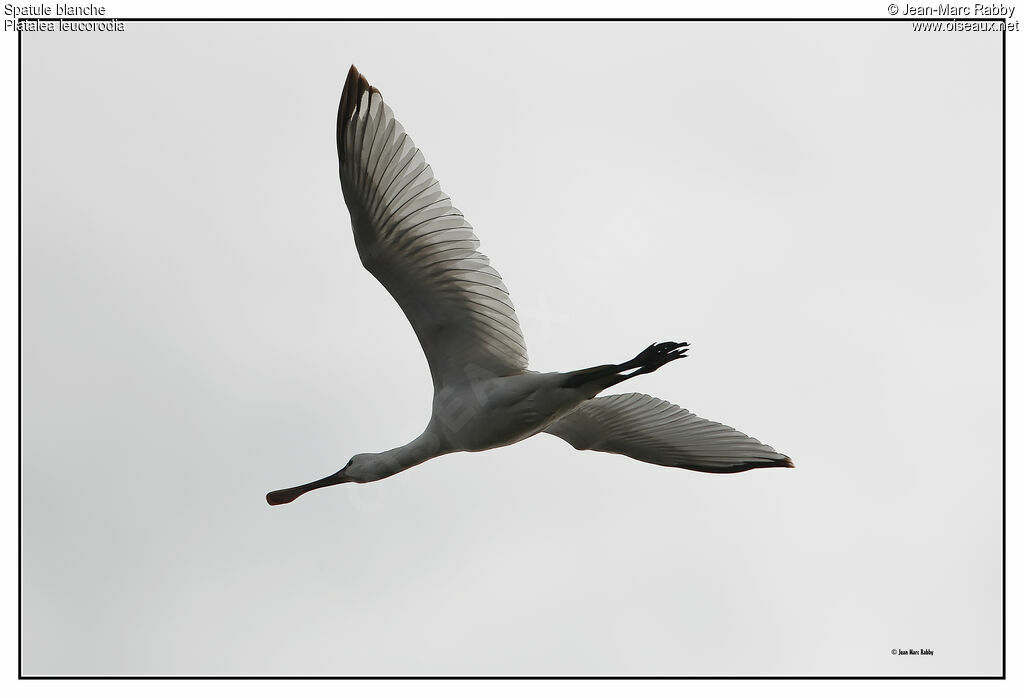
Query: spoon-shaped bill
point(292, 493)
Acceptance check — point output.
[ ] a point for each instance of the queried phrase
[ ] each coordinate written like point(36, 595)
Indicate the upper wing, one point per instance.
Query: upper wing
point(421, 248)
point(655, 431)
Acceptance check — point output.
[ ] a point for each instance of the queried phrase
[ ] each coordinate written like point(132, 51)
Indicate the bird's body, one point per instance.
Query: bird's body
point(501, 410)
point(424, 253)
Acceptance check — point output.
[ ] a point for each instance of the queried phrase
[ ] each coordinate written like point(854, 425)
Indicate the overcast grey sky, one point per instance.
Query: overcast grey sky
point(815, 207)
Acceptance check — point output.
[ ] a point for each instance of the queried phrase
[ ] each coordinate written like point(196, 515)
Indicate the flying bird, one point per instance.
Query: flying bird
point(422, 250)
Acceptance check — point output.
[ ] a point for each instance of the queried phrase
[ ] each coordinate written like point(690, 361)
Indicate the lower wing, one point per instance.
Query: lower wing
point(655, 431)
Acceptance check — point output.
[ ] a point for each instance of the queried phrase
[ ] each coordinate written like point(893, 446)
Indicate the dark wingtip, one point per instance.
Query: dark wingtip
point(780, 462)
point(355, 86)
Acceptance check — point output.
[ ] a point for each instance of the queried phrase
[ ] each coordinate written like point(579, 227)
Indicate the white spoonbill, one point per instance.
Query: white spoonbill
point(425, 254)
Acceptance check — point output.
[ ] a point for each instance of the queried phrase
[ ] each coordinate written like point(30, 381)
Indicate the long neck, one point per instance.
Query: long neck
point(422, 448)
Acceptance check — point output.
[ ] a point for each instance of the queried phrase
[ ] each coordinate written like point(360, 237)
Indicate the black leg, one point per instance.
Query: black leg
point(650, 359)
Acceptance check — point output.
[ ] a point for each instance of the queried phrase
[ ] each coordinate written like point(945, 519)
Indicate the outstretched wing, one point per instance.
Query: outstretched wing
point(655, 431)
point(420, 247)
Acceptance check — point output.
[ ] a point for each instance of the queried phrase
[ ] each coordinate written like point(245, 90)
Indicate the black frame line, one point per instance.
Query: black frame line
point(20, 675)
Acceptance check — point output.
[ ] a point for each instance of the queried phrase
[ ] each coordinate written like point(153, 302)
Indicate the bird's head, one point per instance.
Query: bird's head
point(362, 467)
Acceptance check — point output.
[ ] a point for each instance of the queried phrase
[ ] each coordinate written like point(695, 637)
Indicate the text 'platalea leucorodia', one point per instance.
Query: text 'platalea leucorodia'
point(425, 254)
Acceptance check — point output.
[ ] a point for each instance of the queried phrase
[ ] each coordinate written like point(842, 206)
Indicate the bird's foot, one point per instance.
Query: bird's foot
point(657, 355)
point(650, 359)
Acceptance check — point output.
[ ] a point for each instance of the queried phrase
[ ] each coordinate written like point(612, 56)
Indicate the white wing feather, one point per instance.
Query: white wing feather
point(655, 431)
point(419, 246)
